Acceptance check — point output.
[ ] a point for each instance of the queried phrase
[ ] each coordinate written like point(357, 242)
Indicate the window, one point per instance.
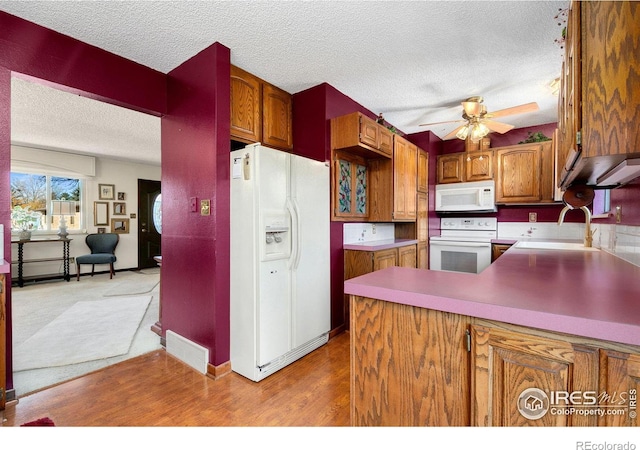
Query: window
point(31, 201)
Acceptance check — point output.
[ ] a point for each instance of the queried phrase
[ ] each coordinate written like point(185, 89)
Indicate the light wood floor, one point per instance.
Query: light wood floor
point(158, 390)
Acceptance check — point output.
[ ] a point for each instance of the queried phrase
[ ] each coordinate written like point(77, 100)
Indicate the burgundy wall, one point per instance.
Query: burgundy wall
point(195, 163)
point(313, 110)
point(43, 55)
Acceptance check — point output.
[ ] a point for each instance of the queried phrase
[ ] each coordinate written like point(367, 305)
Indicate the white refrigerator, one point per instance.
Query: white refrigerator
point(280, 267)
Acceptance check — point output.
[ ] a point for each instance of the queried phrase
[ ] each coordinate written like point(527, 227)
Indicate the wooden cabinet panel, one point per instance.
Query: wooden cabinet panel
point(479, 166)
point(409, 366)
point(277, 117)
point(408, 256)
point(422, 184)
point(246, 106)
point(450, 168)
point(621, 374)
point(506, 364)
point(405, 173)
point(385, 258)
point(423, 255)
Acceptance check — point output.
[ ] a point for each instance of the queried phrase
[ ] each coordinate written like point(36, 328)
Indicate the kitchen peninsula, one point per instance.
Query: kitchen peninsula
point(447, 348)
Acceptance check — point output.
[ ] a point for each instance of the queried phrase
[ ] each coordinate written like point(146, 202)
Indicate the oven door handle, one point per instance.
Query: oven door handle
point(460, 244)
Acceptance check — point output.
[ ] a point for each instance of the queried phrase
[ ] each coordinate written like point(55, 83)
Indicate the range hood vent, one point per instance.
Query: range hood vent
point(624, 172)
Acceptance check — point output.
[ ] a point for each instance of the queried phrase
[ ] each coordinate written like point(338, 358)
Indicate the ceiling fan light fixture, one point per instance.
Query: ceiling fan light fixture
point(478, 131)
point(463, 132)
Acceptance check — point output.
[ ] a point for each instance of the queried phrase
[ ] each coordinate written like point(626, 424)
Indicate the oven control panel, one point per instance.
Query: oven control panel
point(469, 223)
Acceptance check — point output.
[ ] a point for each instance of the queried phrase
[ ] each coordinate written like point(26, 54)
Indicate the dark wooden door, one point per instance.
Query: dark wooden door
point(148, 230)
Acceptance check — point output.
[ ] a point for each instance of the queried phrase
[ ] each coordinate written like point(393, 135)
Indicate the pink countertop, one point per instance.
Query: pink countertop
point(373, 246)
point(5, 267)
point(590, 294)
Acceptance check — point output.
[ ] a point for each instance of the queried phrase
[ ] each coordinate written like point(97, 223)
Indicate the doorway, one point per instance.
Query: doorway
point(149, 223)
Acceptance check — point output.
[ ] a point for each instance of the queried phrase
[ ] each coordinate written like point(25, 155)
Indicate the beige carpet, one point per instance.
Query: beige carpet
point(35, 306)
point(87, 331)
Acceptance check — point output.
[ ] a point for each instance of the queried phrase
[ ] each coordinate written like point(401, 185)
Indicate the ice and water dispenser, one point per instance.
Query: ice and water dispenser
point(277, 236)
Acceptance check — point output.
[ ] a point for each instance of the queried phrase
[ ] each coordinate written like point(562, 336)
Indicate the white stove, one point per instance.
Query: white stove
point(464, 244)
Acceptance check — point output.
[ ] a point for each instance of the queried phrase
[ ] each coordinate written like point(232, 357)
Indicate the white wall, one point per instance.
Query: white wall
point(124, 176)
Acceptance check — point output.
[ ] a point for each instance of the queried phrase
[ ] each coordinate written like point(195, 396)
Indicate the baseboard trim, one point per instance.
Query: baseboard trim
point(219, 371)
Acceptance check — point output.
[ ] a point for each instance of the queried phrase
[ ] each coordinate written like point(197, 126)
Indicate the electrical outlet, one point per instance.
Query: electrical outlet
point(533, 217)
point(205, 207)
point(373, 228)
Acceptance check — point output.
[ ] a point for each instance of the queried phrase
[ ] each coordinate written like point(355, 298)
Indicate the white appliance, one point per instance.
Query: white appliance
point(464, 244)
point(280, 266)
point(473, 196)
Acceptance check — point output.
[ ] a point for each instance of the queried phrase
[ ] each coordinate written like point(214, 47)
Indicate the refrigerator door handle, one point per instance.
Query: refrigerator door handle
point(294, 234)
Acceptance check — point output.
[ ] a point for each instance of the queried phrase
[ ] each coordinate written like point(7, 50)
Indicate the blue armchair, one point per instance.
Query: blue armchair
point(102, 246)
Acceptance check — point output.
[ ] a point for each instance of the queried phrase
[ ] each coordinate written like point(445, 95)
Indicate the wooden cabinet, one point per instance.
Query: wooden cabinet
point(422, 231)
point(349, 190)
point(260, 112)
point(361, 135)
point(465, 166)
point(620, 373)
point(598, 105)
point(359, 262)
point(507, 364)
point(422, 184)
point(497, 250)
point(413, 366)
point(450, 168)
point(405, 175)
point(478, 166)
point(394, 184)
point(524, 173)
point(409, 366)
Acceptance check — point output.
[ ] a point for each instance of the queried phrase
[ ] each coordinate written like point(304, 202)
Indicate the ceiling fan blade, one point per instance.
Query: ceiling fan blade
point(527, 107)
point(439, 123)
point(497, 126)
point(453, 133)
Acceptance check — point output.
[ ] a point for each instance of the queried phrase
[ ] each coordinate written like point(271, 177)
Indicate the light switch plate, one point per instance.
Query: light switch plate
point(193, 204)
point(205, 207)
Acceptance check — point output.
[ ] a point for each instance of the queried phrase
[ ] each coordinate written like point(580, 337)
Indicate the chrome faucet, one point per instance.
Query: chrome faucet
point(588, 235)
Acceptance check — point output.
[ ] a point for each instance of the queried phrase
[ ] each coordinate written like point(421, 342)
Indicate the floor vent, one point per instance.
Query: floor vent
point(187, 351)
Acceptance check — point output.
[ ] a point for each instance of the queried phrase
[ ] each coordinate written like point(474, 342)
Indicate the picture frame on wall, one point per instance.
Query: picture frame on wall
point(120, 226)
point(100, 213)
point(121, 196)
point(106, 191)
point(119, 209)
point(102, 230)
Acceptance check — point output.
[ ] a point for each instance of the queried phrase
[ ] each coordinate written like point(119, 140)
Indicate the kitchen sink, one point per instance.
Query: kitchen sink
point(555, 245)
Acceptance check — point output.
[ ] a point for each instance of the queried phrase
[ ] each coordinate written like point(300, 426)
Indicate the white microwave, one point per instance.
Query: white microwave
point(473, 196)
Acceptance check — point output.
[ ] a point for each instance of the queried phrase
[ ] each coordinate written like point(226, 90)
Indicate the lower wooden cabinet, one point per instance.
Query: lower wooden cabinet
point(508, 364)
point(497, 250)
point(414, 366)
point(358, 262)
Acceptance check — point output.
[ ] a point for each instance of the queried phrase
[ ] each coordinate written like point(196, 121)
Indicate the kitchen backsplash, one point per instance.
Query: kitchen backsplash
point(540, 230)
point(367, 232)
point(622, 241)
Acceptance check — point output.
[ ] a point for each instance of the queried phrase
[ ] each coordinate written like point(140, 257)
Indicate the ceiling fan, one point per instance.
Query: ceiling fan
point(477, 120)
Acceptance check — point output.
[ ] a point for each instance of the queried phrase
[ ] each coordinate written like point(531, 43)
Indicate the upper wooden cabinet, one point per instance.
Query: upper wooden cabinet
point(260, 112)
point(598, 103)
point(524, 173)
point(405, 175)
point(422, 184)
point(465, 166)
point(362, 135)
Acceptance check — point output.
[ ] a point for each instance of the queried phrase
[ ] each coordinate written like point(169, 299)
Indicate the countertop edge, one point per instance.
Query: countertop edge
point(371, 246)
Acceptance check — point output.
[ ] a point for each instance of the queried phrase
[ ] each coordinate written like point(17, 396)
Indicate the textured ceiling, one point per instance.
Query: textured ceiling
point(413, 61)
